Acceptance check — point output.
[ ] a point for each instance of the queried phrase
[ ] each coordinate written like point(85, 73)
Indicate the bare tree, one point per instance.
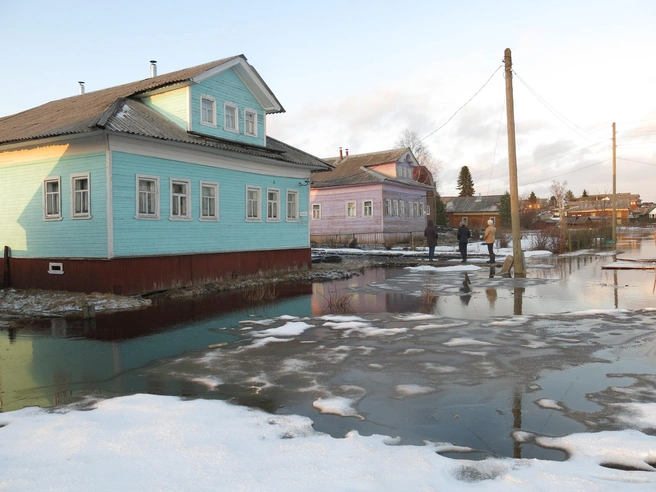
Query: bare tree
point(410, 139)
point(558, 190)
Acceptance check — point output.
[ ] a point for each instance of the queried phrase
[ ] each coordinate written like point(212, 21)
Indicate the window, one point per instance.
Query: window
point(250, 122)
point(388, 206)
point(415, 208)
point(147, 197)
point(292, 205)
point(51, 199)
point(253, 197)
point(230, 117)
point(316, 211)
point(395, 208)
point(410, 210)
point(421, 209)
point(401, 208)
point(464, 220)
point(56, 268)
point(350, 210)
point(273, 204)
point(209, 201)
point(207, 110)
point(80, 197)
point(368, 208)
point(494, 221)
point(180, 199)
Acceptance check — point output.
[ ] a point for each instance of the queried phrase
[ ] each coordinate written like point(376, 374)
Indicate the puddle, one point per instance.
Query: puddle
point(469, 367)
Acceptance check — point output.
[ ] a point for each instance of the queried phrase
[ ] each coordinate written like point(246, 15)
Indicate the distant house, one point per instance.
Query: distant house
point(167, 181)
point(651, 213)
point(374, 198)
point(631, 199)
point(474, 211)
point(601, 208)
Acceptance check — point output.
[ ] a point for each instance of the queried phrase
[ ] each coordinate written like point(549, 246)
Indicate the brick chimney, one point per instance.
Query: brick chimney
point(341, 156)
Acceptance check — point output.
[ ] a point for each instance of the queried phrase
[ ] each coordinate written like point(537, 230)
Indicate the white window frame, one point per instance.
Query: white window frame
point(85, 196)
point(234, 109)
point(421, 209)
point(316, 211)
point(155, 193)
point(48, 213)
point(388, 206)
point(273, 205)
point(366, 208)
point(291, 211)
point(411, 212)
point(395, 207)
point(401, 208)
point(212, 101)
point(181, 199)
point(350, 211)
point(214, 215)
point(465, 220)
point(256, 216)
point(247, 112)
point(415, 209)
point(55, 268)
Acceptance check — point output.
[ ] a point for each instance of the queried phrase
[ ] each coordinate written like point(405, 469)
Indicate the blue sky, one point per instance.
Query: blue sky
point(356, 74)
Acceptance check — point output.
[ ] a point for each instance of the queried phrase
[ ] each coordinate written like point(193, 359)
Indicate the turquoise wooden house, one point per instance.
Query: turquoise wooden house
point(166, 182)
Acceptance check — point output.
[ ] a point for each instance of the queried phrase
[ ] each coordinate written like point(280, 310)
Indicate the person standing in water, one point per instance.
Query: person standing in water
point(489, 238)
point(463, 237)
point(431, 239)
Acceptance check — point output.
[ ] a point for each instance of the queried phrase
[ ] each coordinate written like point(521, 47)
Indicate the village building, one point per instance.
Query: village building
point(372, 198)
point(474, 211)
point(165, 182)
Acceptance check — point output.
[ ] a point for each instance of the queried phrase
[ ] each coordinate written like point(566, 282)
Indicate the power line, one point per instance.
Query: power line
point(637, 162)
point(568, 172)
point(557, 114)
point(470, 100)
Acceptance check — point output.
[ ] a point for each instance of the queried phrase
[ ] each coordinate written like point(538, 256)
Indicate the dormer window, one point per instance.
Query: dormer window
point(250, 123)
point(207, 111)
point(230, 117)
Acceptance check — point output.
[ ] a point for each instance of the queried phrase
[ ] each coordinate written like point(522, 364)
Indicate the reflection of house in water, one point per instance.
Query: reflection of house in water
point(370, 294)
point(51, 359)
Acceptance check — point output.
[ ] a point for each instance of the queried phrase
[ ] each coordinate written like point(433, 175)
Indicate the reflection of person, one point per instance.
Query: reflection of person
point(489, 238)
point(463, 237)
point(431, 239)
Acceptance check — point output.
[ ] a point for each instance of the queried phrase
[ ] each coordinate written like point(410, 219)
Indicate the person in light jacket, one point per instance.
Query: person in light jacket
point(463, 236)
point(431, 239)
point(489, 238)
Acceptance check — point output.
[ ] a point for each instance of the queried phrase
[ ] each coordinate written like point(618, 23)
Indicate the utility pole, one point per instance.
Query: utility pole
point(614, 216)
point(518, 254)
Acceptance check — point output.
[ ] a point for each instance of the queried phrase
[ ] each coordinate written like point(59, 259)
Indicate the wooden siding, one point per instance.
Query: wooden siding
point(136, 237)
point(227, 87)
point(22, 225)
point(133, 276)
point(333, 210)
point(174, 105)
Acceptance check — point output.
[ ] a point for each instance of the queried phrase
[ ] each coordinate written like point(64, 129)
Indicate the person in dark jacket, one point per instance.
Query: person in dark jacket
point(463, 236)
point(431, 239)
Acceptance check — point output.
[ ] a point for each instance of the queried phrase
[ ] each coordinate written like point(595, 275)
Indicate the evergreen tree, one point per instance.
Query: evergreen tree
point(504, 210)
point(553, 201)
point(441, 219)
point(569, 196)
point(465, 182)
point(585, 194)
point(532, 198)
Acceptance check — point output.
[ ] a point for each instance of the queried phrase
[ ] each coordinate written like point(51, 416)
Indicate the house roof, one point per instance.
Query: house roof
point(355, 169)
point(119, 109)
point(472, 204)
point(598, 205)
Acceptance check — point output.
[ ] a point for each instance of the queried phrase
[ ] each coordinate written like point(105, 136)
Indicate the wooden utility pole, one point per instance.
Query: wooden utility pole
point(614, 216)
point(518, 254)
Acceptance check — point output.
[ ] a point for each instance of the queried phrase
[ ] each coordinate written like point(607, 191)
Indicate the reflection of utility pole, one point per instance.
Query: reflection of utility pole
point(518, 255)
point(518, 292)
point(616, 294)
point(517, 421)
point(614, 219)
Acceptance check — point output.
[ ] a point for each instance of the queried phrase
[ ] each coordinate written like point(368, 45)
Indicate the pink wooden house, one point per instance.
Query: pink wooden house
point(375, 198)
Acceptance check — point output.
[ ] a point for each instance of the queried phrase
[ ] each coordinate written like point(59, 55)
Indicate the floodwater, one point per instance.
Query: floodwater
point(422, 355)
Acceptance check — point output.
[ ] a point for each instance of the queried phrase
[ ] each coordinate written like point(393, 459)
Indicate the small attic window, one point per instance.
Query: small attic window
point(207, 110)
